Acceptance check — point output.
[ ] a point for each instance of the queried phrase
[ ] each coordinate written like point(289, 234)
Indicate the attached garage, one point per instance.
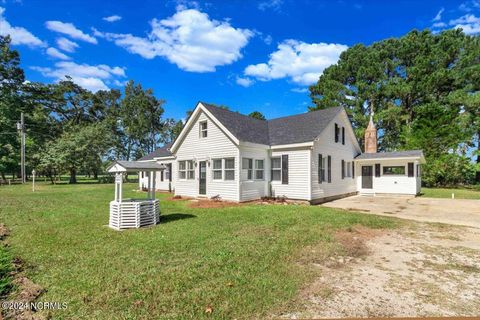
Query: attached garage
point(389, 172)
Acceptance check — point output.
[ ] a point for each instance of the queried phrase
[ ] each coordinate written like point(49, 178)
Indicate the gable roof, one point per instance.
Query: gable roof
point(133, 166)
point(299, 128)
point(158, 153)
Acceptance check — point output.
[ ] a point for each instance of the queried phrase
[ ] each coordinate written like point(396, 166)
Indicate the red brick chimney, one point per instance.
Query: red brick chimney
point(371, 135)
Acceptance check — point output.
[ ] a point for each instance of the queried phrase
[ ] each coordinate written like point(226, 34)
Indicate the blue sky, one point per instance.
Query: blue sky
point(249, 55)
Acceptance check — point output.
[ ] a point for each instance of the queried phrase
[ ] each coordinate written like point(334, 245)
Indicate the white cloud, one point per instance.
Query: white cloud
point(66, 45)
point(299, 90)
point(55, 53)
point(18, 35)
point(270, 4)
point(70, 30)
point(244, 82)
point(112, 18)
point(469, 5)
point(91, 77)
point(469, 23)
point(302, 62)
point(438, 17)
point(439, 25)
point(189, 39)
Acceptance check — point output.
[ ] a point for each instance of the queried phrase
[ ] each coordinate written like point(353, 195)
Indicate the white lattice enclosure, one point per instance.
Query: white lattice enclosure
point(134, 213)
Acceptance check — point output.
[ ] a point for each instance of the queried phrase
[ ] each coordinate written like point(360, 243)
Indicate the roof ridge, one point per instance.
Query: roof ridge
point(304, 113)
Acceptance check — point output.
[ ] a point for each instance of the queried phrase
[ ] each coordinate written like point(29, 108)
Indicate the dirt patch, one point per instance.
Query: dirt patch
point(207, 204)
point(419, 270)
point(25, 290)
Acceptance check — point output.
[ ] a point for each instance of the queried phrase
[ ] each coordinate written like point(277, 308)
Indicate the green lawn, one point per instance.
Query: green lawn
point(447, 193)
point(242, 261)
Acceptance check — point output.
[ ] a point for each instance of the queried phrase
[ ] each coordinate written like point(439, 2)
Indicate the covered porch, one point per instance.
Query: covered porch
point(134, 213)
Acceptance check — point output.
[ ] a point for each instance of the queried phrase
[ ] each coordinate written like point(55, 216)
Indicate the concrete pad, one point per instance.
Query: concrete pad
point(451, 211)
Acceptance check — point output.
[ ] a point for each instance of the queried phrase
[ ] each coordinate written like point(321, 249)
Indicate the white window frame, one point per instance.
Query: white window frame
point(184, 170)
point(190, 170)
point(249, 169)
point(279, 169)
point(217, 169)
point(225, 169)
point(257, 169)
point(203, 132)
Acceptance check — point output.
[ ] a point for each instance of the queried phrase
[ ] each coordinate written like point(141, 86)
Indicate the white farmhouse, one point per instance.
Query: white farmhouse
point(312, 156)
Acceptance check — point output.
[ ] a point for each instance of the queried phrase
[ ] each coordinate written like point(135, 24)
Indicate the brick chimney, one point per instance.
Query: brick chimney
point(371, 137)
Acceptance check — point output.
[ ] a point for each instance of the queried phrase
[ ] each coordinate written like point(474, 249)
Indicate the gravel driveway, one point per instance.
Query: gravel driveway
point(450, 211)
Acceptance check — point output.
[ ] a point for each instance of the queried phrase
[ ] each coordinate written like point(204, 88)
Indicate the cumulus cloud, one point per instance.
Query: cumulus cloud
point(91, 77)
point(302, 62)
point(66, 45)
point(469, 23)
point(189, 39)
point(55, 53)
point(18, 35)
point(112, 18)
point(244, 82)
point(70, 30)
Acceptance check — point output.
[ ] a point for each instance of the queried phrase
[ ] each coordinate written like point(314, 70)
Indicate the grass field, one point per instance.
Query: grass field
point(447, 193)
point(240, 261)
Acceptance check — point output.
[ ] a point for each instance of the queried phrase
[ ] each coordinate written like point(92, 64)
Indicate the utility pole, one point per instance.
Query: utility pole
point(21, 129)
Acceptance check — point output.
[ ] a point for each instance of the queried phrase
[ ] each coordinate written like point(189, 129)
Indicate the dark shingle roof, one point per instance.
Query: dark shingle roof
point(299, 128)
point(394, 154)
point(158, 153)
point(243, 127)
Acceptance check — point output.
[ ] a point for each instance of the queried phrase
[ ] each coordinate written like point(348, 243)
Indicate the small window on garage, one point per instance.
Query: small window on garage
point(394, 170)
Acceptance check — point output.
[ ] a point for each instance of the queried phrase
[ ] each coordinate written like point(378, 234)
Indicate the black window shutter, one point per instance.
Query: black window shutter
point(343, 169)
point(169, 172)
point(353, 169)
point(329, 160)
point(377, 170)
point(343, 135)
point(285, 169)
point(410, 169)
point(161, 175)
point(336, 132)
point(320, 168)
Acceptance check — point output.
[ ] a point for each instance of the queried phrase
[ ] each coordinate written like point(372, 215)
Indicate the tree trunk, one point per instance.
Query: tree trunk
point(73, 176)
point(95, 175)
point(477, 176)
point(3, 176)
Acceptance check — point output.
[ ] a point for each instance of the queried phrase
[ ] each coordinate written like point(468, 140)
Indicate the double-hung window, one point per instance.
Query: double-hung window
point(217, 169)
point(182, 169)
point(190, 170)
point(203, 129)
point(348, 169)
point(247, 167)
point(259, 169)
point(229, 168)
point(276, 169)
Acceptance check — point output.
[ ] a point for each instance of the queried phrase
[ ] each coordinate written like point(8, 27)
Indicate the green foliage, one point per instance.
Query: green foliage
point(424, 89)
point(257, 115)
point(448, 170)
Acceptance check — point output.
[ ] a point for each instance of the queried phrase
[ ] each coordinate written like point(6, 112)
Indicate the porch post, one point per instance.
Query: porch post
point(154, 173)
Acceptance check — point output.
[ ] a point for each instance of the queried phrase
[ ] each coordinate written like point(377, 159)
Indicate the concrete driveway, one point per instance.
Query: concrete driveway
point(451, 211)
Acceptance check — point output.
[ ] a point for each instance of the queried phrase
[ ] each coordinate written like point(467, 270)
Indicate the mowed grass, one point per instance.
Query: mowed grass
point(240, 261)
point(447, 193)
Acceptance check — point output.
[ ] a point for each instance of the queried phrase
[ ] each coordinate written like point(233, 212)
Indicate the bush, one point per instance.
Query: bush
point(448, 170)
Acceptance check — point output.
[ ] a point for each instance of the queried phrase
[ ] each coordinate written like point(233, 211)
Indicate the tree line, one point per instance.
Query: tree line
point(72, 130)
point(425, 92)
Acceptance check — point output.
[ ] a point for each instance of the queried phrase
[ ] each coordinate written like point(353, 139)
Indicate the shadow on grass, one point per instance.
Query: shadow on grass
point(175, 216)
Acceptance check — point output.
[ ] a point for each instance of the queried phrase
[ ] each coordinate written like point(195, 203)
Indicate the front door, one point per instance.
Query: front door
point(367, 177)
point(202, 177)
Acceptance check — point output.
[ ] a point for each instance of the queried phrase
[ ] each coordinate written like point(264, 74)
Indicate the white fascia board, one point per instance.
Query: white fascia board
point(293, 145)
point(421, 159)
point(164, 158)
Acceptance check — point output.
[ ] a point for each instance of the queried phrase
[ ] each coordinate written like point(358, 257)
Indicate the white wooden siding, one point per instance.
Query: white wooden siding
point(160, 185)
point(215, 145)
point(393, 184)
point(327, 146)
point(298, 175)
point(254, 189)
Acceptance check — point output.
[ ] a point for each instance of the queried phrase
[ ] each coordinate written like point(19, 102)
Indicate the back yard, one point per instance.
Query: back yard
point(247, 261)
